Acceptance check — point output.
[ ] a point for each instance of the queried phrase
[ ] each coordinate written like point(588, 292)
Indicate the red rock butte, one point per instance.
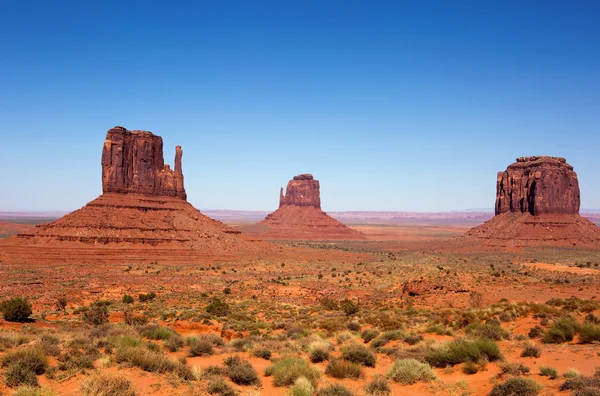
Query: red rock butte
point(300, 216)
point(537, 200)
point(142, 215)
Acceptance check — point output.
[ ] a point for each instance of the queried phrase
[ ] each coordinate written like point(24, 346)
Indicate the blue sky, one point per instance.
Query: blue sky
point(408, 106)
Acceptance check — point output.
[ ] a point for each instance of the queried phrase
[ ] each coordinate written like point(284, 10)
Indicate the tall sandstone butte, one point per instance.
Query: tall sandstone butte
point(300, 216)
point(538, 185)
point(133, 162)
point(143, 212)
point(302, 190)
point(537, 199)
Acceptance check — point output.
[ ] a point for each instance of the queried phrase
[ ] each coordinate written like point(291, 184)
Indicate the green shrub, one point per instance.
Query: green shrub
point(285, 372)
point(30, 390)
point(27, 359)
point(413, 339)
point(318, 355)
point(589, 333)
point(516, 387)
point(154, 332)
point(218, 386)
point(343, 369)
point(548, 371)
point(562, 330)
point(202, 347)
point(127, 299)
point(150, 360)
point(360, 354)
point(97, 313)
point(470, 368)
point(378, 386)
point(302, 387)
point(490, 330)
point(147, 297)
point(349, 307)
point(19, 374)
point(335, 390)
point(218, 307)
point(240, 371)
point(410, 371)
point(15, 309)
point(263, 353)
point(106, 384)
point(463, 350)
point(383, 339)
point(174, 343)
point(531, 350)
point(369, 335)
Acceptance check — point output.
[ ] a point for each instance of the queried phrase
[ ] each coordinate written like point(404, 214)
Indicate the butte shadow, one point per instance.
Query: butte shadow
point(299, 216)
point(142, 215)
point(537, 202)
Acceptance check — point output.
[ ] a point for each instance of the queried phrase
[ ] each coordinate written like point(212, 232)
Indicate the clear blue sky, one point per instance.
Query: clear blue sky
point(392, 105)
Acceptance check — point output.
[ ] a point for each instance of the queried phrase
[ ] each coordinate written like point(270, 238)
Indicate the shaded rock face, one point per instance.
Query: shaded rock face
point(538, 186)
point(303, 190)
point(132, 162)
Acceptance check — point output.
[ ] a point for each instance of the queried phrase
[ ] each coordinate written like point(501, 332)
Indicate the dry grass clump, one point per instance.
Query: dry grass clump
point(516, 386)
point(218, 386)
point(343, 369)
point(411, 371)
point(286, 371)
point(23, 366)
point(378, 386)
point(105, 384)
point(463, 350)
point(240, 371)
point(360, 354)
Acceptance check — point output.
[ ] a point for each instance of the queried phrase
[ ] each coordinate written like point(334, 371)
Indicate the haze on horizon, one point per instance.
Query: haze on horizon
point(393, 106)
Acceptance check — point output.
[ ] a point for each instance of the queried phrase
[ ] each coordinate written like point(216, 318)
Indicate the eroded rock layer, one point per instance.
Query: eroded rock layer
point(537, 200)
point(300, 216)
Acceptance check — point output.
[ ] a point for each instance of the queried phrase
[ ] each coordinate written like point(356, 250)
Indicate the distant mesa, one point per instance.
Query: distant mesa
point(144, 204)
point(537, 199)
point(300, 216)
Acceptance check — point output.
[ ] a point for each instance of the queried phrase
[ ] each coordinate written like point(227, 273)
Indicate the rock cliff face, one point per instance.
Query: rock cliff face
point(538, 185)
point(303, 190)
point(537, 201)
point(132, 162)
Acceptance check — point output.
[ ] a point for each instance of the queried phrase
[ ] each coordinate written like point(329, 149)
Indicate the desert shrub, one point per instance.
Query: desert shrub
point(154, 332)
point(202, 347)
point(302, 387)
point(285, 372)
point(241, 344)
point(548, 371)
point(563, 330)
point(378, 386)
point(105, 384)
point(77, 357)
point(531, 350)
point(10, 340)
point(318, 355)
point(360, 354)
point(579, 383)
point(147, 297)
point(31, 358)
point(470, 368)
point(353, 326)
point(536, 331)
point(218, 386)
point(335, 390)
point(571, 373)
point(343, 369)
point(369, 335)
point(174, 343)
point(384, 338)
point(349, 307)
point(487, 330)
point(127, 299)
point(410, 371)
point(29, 390)
point(15, 309)
point(218, 307)
point(515, 368)
point(240, 371)
point(61, 303)
point(413, 339)
point(263, 353)
point(516, 387)
point(150, 360)
point(463, 350)
point(19, 374)
point(589, 333)
point(97, 313)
